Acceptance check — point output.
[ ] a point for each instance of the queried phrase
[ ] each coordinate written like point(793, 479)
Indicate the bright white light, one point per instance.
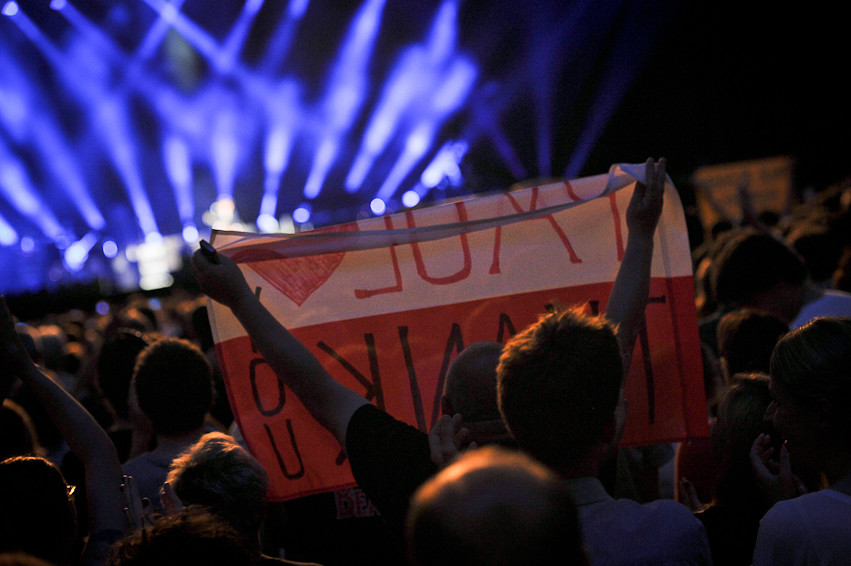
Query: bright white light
point(58, 4)
point(8, 235)
point(27, 244)
point(224, 209)
point(301, 214)
point(110, 249)
point(377, 206)
point(190, 234)
point(76, 256)
point(410, 199)
point(10, 8)
point(267, 223)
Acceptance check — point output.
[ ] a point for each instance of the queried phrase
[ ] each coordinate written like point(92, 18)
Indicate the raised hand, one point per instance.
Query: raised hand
point(774, 476)
point(645, 206)
point(447, 439)
point(219, 278)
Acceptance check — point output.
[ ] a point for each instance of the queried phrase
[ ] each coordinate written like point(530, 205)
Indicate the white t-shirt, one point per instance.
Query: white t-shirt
point(813, 529)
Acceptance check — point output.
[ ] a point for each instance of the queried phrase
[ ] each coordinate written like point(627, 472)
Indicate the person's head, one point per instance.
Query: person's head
point(470, 389)
point(811, 388)
point(559, 385)
point(494, 506)
point(37, 514)
point(115, 363)
point(746, 338)
point(192, 536)
point(741, 418)
point(757, 269)
point(218, 473)
point(174, 386)
point(19, 437)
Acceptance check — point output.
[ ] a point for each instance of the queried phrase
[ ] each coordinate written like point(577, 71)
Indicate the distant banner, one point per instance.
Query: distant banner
point(386, 304)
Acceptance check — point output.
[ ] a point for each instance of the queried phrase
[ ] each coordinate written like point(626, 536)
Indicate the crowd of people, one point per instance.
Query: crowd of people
point(118, 447)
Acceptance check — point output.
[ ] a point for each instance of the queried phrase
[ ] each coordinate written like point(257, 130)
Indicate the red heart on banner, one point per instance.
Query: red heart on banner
point(296, 277)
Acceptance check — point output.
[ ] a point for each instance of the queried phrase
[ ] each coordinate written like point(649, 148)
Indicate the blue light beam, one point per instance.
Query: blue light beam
point(346, 90)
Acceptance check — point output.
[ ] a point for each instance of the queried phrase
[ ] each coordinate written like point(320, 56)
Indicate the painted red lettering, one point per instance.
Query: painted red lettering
point(461, 274)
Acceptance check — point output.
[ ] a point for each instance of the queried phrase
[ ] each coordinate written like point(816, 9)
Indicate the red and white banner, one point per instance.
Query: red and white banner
point(386, 303)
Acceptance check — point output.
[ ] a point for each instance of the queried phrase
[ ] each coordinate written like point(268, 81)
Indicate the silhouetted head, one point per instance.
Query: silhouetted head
point(37, 514)
point(174, 386)
point(470, 390)
point(494, 506)
point(559, 385)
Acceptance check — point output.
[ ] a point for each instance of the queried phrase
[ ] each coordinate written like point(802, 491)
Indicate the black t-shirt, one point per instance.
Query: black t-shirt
point(390, 459)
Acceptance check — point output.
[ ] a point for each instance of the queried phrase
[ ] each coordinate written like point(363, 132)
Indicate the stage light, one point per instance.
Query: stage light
point(410, 199)
point(190, 234)
point(267, 223)
point(377, 206)
point(301, 214)
point(347, 87)
point(77, 253)
point(8, 235)
point(10, 8)
point(178, 166)
point(110, 249)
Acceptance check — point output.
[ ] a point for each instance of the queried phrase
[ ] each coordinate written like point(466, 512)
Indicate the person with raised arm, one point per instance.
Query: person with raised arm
point(85, 437)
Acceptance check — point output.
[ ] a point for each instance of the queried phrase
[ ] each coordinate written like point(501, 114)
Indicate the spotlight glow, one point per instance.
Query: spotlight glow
point(110, 249)
point(267, 223)
point(10, 8)
point(377, 206)
point(410, 199)
point(190, 234)
point(301, 214)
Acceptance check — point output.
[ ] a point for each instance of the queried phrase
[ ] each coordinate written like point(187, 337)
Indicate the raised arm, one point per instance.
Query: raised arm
point(87, 440)
point(628, 298)
point(330, 403)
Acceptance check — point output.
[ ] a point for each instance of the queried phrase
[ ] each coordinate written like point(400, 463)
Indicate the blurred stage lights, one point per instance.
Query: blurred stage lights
point(377, 206)
point(10, 8)
point(410, 199)
point(301, 214)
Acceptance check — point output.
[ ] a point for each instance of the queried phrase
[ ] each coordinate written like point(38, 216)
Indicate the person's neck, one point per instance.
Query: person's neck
point(174, 444)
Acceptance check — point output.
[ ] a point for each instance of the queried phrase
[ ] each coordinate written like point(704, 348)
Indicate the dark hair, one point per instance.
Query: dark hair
point(751, 262)
point(558, 385)
point(174, 385)
point(494, 506)
point(115, 363)
point(37, 514)
point(814, 362)
point(746, 338)
point(18, 436)
point(741, 418)
point(191, 537)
